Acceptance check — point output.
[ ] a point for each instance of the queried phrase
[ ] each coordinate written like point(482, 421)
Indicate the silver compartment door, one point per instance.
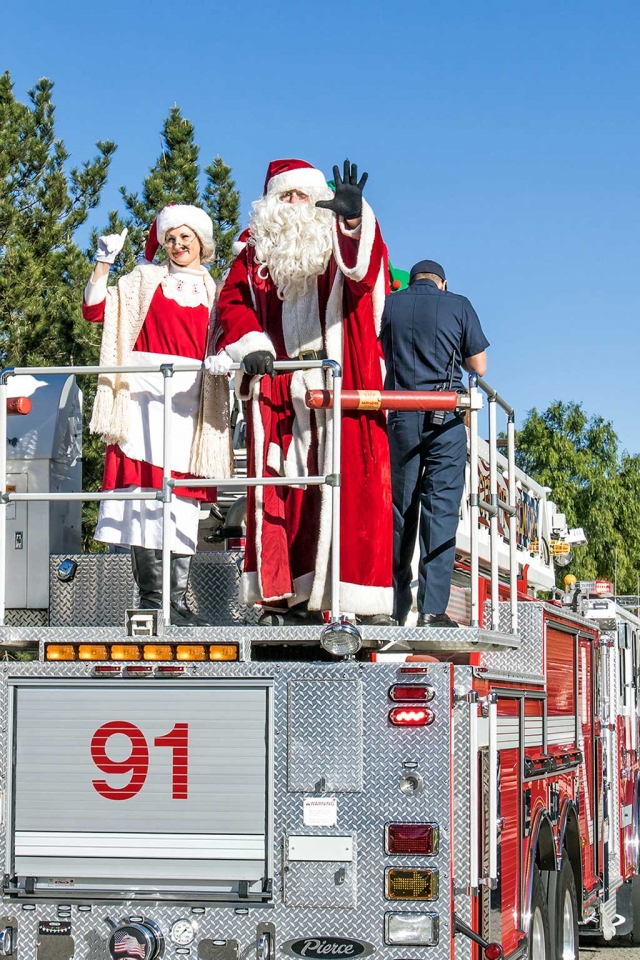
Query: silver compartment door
point(64, 826)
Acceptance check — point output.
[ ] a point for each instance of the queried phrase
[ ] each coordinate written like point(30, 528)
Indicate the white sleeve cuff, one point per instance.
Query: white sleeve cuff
point(249, 343)
point(95, 293)
point(347, 232)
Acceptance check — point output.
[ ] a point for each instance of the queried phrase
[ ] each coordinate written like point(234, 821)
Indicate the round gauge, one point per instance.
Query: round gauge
point(182, 932)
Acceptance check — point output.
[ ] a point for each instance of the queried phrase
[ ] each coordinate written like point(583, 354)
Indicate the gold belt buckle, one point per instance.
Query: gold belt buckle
point(311, 355)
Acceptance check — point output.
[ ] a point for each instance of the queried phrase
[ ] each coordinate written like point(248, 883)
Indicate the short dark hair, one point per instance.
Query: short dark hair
point(426, 276)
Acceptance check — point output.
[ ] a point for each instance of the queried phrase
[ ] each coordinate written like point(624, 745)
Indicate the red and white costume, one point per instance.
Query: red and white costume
point(288, 529)
point(176, 326)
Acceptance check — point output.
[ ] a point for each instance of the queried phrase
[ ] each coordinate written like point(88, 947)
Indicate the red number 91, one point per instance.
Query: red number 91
point(137, 763)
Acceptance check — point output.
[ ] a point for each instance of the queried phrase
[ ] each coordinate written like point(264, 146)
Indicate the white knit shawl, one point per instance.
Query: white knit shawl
point(126, 308)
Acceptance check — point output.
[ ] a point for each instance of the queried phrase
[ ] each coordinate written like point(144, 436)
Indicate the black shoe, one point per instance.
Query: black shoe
point(377, 620)
point(182, 616)
point(436, 620)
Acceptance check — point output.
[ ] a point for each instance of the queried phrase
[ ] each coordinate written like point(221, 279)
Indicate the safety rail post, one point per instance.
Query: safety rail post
point(336, 454)
point(167, 490)
point(493, 516)
point(474, 502)
point(513, 521)
point(3, 489)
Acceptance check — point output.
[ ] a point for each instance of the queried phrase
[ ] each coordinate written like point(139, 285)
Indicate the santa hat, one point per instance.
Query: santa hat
point(178, 215)
point(284, 175)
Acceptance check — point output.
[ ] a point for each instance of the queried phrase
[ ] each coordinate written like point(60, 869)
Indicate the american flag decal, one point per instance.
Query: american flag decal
point(128, 946)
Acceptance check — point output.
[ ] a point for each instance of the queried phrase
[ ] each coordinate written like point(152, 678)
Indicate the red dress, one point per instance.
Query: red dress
point(175, 330)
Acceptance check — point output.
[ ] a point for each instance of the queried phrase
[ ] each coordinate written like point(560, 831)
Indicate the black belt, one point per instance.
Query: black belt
point(312, 355)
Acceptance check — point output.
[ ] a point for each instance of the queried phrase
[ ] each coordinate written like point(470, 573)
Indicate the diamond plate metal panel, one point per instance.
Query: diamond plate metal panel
point(528, 659)
point(103, 589)
point(461, 807)
point(311, 884)
point(385, 750)
point(325, 735)
point(25, 617)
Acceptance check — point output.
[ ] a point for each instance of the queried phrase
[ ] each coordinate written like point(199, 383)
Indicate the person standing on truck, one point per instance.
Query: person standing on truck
point(159, 314)
point(427, 334)
point(308, 284)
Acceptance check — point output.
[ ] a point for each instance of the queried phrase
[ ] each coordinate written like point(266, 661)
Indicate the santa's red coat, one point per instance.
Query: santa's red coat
point(175, 330)
point(288, 528)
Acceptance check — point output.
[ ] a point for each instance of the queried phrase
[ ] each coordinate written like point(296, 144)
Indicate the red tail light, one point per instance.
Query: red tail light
point(411, 716)
point(493, 951)
point(419, 838)
point(423, 693)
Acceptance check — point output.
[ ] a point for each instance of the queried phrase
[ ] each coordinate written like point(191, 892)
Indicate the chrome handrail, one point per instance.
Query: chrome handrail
point(166, 495)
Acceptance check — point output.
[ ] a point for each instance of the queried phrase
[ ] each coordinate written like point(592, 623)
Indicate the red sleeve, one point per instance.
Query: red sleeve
point(94, 313)
point(241, 331)
point(360, 259)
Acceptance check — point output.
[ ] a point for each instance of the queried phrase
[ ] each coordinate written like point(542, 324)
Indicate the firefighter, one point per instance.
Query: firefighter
point(427, 334)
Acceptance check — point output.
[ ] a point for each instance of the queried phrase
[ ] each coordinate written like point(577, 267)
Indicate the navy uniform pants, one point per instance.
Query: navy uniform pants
point(427, 474)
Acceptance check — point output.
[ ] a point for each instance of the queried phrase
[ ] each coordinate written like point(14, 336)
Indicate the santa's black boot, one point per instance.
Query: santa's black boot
point(146, 566)
point(181, 615)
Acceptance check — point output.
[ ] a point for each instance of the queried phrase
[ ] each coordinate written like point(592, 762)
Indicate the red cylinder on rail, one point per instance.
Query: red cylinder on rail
point(385, 399)
point(18, 406)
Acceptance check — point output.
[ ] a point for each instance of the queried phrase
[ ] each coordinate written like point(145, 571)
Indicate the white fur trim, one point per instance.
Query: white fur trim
point(258, 447)
point(365, 600)
point(249, 343)
point(304, 178)
point(365, 245)
point(274, 457)
point(186, 214)
point(378, 297)
point(237, 247)
point(96, 291)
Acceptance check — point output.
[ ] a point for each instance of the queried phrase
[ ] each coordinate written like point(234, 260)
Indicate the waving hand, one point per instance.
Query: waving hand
point(347, 201)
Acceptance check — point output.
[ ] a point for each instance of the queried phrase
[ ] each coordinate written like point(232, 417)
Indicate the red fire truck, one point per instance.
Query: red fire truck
point(232, 791)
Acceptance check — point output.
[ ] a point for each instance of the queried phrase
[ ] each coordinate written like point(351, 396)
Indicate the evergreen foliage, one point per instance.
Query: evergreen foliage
point(593, 482)
point(221, 200)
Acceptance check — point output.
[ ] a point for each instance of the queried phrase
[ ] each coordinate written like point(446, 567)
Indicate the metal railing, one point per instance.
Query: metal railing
point(472, 402)
point(494, 505)
point(166, 494)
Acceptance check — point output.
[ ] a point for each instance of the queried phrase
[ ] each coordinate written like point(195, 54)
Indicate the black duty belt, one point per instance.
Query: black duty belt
point(312, 355)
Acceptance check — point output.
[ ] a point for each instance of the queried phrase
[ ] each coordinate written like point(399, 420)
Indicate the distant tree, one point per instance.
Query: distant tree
point(222, 201)
point(595, 484)
point(42, 204)
point(174, 178)
point(42, 269)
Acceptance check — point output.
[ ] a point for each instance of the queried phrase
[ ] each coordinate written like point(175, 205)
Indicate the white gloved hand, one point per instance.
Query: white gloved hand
point(110, 246)
point(218, 363)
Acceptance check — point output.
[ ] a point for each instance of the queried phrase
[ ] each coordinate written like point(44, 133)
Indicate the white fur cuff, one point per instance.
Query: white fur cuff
point(249, 343)
point(367, 229)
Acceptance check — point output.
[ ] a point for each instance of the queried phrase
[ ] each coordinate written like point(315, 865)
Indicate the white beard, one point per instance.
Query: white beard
point(292, 241)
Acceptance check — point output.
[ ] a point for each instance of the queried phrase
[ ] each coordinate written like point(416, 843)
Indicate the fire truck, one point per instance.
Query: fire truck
point(233, 792)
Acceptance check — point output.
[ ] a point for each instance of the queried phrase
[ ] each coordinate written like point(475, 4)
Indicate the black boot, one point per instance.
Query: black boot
point(147, 573)
point(181, 615)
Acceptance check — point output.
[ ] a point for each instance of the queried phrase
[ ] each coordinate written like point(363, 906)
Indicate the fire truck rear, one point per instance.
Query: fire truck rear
point(232, 792)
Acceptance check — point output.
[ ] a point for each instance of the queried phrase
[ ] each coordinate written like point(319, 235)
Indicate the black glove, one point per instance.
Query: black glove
point(347, 202)
point(258, 363)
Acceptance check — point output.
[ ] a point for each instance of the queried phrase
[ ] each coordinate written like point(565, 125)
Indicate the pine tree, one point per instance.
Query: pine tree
point(42, 269)
point(222, 202)
point(172, 179)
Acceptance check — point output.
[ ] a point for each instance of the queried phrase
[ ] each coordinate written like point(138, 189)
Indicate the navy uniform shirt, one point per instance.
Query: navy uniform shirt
point(421, 328)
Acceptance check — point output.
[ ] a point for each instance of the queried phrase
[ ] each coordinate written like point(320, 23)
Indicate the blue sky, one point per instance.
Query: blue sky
point(501, 138)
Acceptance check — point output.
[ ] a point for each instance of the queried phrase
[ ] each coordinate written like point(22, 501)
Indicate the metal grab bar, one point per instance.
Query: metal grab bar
point(166, 495)
point(493, 507)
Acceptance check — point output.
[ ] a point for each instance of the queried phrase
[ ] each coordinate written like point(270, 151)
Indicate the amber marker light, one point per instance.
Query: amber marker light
point(157, 651)
point(60, 651)
point(191, 651)
point(223, 651)
point(93, 651)
point(125, 651)
point(412, 884)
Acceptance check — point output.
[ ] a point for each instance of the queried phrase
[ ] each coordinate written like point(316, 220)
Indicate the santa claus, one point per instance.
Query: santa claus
point(159, 314)
point(309, 283)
